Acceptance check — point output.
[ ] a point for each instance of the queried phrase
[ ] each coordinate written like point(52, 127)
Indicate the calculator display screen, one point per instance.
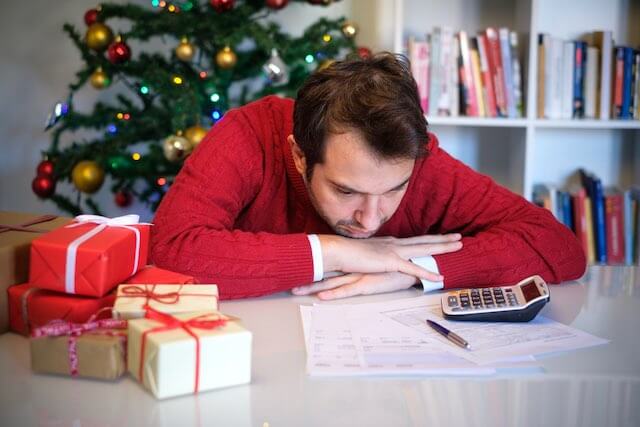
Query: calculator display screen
point(530, 291)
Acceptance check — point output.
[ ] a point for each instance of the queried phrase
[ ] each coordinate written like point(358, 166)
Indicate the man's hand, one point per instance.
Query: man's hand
point(385, 254)
point(357, 284)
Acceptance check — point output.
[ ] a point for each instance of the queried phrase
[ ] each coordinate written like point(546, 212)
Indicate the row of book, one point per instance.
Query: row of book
point(606, 222)
point(459, 74)
point(589, 78)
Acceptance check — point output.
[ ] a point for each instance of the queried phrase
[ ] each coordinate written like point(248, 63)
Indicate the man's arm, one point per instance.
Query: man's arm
point(505, 238)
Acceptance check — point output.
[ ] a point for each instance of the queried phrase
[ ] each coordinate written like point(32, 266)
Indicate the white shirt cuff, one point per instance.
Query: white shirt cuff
point(429, 263)
point(316, 254)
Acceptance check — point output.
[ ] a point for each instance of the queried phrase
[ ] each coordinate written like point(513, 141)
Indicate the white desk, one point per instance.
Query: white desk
point(598, 386)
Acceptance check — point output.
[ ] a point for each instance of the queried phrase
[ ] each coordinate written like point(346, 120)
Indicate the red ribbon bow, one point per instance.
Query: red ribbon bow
point(168, 323)
point(57, 328)
point(135, 291)
point(24, 225)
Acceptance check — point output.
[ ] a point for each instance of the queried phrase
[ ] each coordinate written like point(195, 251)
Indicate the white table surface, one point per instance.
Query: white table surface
point(598, 386)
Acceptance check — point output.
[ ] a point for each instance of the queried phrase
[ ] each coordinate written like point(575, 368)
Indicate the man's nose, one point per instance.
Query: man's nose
point(368, 214)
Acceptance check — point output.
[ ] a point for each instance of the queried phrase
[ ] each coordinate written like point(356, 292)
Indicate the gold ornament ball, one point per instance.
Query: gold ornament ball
point(195, 134)
point(98, 36)
point(87, 176)
point(349, 29)
point(185, 50)
point(226, 58)
point(99, 79)
point(176, 148)
point(325, 64)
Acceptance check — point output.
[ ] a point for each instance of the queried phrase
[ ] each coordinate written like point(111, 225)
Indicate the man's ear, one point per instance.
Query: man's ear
point(298, 156)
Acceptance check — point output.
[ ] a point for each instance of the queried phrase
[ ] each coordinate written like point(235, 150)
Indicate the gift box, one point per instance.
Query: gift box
point(96, 349)
point(132, 300)
point(91, 256)
point(188, 353)
point(31, 307)
point(17, 230)
point(153, 274)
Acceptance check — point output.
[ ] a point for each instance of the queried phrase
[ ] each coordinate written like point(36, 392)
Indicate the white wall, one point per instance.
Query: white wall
point(39, 61)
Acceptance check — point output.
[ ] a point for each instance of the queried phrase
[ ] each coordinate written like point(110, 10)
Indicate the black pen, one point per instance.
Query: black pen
point(450, 335)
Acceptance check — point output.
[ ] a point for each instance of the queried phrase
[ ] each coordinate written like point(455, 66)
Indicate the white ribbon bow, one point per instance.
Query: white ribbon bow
point(103, 222)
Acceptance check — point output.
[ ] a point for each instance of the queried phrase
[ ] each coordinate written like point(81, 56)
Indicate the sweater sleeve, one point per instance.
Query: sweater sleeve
point(194, 228)
point(505, 237)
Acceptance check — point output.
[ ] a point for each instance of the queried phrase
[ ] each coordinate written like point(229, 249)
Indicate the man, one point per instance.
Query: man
point(348, 180)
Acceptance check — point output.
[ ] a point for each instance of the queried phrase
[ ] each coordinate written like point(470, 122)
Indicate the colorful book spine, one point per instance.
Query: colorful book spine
point(517, 74)
point(578, 78)
point(614, 228)
point(495, 56)
point(599, 220)
point(487, 81)
point(477, 76)
point(540, 98)
point(590, 83)
point(466, 76)
point(627, 112)
point(435, 72)
point(603, 40)
point(505, 52)
point(419, 59)
point(618, 81)
point(628, 226)
point(580, 222)
point(567, 78)
point(591, 235)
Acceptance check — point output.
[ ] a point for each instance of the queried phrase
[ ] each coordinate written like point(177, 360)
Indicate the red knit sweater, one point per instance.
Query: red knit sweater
point(238, 215)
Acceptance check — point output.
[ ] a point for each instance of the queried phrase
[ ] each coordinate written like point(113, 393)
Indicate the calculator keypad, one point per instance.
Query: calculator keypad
point(470, 299)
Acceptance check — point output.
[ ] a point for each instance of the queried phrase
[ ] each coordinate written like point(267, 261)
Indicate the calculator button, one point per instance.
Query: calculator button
point(452, 301)
point(508, 290)
point(475, 292)
point(501, 304)
point(465, 304)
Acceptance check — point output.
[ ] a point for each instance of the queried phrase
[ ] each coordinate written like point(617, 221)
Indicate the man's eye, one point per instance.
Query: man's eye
point(345, 192)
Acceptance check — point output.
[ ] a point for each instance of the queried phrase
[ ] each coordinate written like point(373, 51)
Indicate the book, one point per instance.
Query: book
point(628, 72)
point(614, 227)
point(618, 78)
point(578, 78)
point(580, 223)
point(540, 98)
point(495, 61)
point(603, 40)
point(505, 51)
point(487, 81)
point(435, 72)
point(593, 186)
point(516, 70)
point(591, 239)
point(419, 60)
point(448, 70)
point(466, 76)
point(590, 83)
point(477, 75)
point(567, 78)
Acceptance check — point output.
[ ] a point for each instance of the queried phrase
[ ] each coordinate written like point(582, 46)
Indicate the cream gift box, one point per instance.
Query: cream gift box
point(131, 299)
point(188, 353)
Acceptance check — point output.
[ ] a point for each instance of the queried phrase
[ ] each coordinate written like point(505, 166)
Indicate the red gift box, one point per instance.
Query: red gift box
point(30, 307)
point(90, 256)
point(152, 274)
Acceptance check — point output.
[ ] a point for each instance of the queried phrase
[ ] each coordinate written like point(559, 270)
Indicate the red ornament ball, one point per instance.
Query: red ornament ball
point(43, 186)
point(364, 52)
point(45, 169)
point(222, 5)
point(276, 4)
point(91, 16)
point(123, 198)
point(118, 52)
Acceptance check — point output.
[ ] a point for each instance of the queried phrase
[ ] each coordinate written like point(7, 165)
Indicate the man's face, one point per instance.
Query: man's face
point(354, 191)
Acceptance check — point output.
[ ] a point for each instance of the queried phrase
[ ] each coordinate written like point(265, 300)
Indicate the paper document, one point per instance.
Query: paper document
point(392, 337)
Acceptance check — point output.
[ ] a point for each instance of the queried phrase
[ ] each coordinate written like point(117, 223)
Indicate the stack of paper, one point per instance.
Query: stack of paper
point(392, 338)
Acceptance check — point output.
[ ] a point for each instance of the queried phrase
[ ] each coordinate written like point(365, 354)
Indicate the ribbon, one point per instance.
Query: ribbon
point(124, 221)
point(168, 323)
point(169, 298)
point(57, 328)
point(24, 226)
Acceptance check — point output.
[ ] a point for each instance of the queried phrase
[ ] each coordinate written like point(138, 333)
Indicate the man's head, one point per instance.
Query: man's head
point(358, 128)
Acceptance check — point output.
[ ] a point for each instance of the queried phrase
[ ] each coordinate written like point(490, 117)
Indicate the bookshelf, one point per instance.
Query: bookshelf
point(519, 153)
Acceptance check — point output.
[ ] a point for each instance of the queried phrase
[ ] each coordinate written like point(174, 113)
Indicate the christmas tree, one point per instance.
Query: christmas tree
point(219, 54)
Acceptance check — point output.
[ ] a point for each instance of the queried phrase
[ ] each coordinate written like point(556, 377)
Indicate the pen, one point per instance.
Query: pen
point(450, 335)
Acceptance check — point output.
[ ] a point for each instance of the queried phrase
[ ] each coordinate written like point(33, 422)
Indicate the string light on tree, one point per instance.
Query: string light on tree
point(59, 110)
point(226, 58)
point(98, 36)
point(87, 176)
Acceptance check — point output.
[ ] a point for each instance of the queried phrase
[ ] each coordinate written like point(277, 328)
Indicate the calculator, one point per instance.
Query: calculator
point(518, 303)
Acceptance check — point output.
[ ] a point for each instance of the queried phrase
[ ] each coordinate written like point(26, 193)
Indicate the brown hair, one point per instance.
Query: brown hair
point(375, 96)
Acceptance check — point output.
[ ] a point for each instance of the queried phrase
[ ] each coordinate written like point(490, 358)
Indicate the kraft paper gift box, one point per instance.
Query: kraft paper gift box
point(96, 349)
point(153, 274)
point(17, 230)
point(31, 307)
point(132, 300)
point(188, 353)
point(91, 256)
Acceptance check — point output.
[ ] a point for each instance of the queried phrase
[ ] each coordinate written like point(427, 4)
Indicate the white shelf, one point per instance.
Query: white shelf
point(587, 124)
point(477, 121)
